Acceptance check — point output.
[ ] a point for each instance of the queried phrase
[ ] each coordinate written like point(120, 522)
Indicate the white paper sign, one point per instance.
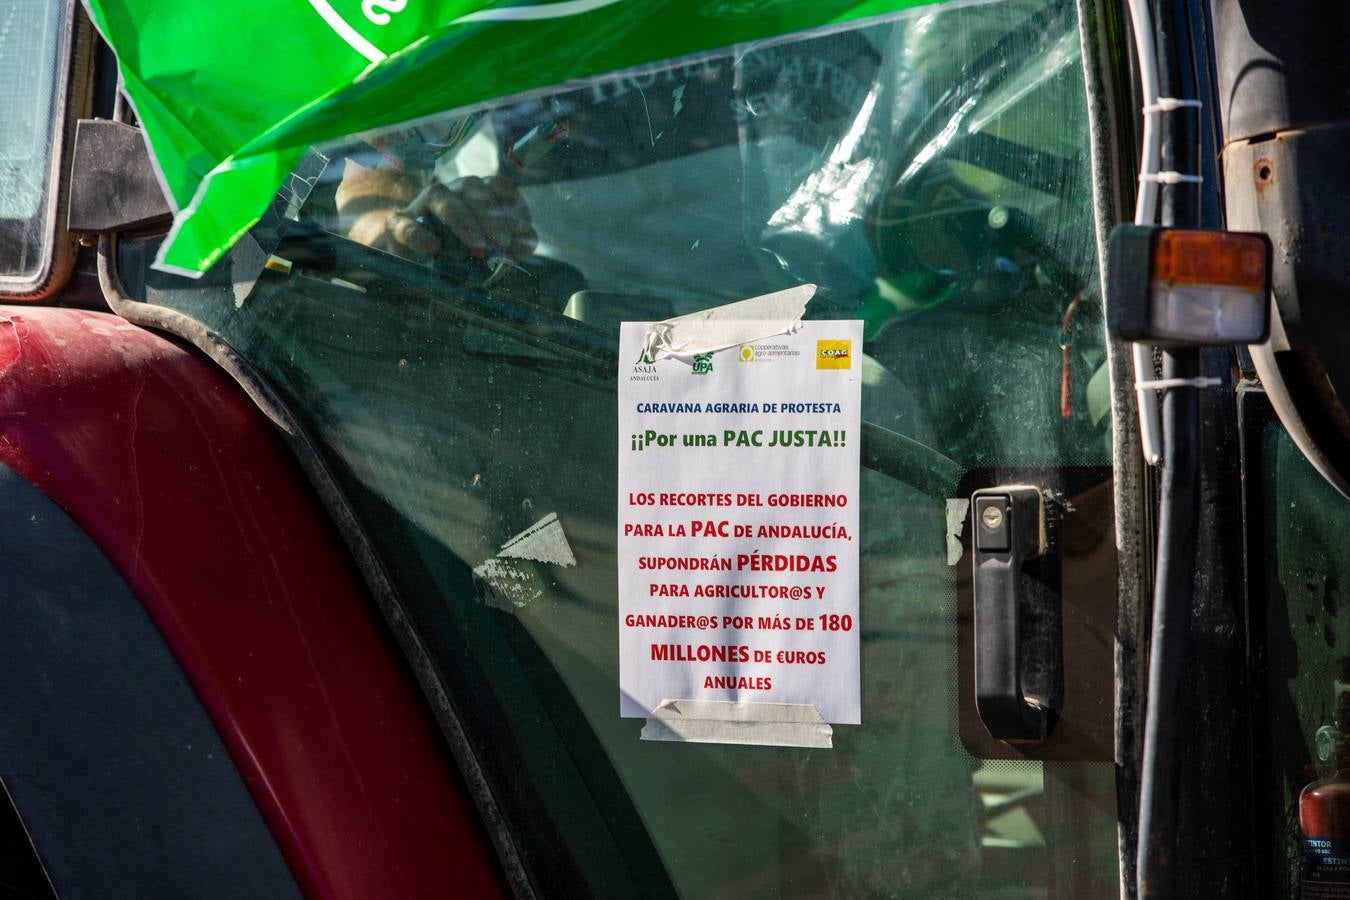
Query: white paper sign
point(738, 522)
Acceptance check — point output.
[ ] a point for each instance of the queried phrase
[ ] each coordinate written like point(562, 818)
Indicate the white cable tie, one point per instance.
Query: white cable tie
point(1165, 384)
point(1170, 178)
point(1169, 104)
point(1150, 422)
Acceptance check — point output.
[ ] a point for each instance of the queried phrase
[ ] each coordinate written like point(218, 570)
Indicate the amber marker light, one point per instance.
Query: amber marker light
point(1179, 287)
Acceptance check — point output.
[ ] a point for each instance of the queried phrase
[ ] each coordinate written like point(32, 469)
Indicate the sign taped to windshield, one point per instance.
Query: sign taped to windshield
point(738, 522)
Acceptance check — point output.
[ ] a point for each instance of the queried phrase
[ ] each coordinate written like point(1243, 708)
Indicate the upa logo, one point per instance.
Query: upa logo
point(834, 354)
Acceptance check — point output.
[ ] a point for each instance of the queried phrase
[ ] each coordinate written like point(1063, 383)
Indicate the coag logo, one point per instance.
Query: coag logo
point(834, 354)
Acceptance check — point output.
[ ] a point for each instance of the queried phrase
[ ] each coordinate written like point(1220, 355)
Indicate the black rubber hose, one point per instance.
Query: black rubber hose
point(1159, 854)
point(1169, 650)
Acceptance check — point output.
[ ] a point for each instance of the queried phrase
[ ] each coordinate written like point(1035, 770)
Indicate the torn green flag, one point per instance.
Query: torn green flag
point(230, 94)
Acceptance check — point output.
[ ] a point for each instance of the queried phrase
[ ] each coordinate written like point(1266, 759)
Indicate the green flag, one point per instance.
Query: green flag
point(230, 94)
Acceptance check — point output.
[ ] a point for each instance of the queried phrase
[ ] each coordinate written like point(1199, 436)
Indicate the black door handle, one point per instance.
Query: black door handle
point(1017, 690)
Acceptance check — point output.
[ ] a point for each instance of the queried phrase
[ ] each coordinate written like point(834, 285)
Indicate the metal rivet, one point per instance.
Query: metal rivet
point(992, 517)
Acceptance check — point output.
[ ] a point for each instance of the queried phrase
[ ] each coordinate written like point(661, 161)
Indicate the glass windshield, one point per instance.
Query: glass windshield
point(1300, 688)
point(440, 304)
point(33, 34)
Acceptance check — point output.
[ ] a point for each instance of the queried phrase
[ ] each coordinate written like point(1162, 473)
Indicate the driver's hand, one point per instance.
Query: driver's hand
point(487, 216)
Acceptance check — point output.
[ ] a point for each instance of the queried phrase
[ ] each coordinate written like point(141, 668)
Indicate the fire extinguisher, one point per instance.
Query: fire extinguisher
point(1324, 809)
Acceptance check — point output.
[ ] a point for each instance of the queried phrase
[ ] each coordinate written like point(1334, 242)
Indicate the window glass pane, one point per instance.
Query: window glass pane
point(31, 37)
point(930, 173)
point(1300, 568)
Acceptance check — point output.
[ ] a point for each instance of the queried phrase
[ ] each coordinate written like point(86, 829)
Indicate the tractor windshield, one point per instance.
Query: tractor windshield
point(438, 306)
point(33, 48)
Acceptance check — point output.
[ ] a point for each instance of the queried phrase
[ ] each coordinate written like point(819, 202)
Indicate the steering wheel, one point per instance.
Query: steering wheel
point(939, 237)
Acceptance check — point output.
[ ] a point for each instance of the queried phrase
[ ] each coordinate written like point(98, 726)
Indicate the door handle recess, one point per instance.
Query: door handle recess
point(1008, 530)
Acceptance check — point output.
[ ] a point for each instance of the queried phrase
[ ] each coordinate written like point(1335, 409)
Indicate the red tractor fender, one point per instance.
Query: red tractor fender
point(190, 493)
